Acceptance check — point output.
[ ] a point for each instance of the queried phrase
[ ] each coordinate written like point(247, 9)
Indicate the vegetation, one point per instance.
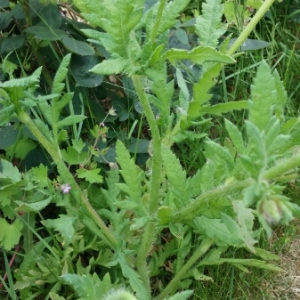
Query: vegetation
point(148, 148)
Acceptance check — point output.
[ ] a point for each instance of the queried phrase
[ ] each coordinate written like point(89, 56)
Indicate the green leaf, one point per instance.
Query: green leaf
point(36, 206)
point(8, 136)
point(181, 295)
point(78, 47)
point(5, 19)
point(134, 278)
point(164, 215)
point(80, 66)
point(263, 93)
point(118, 19)
point(6, 114)
point(208, 26)
point(46, 33)
point(12, 43)
point(169, 17)
point(202, 91)
point(72, 157)
point(235, 136)
point(91, 176)
point(110, 66)
point(131, 173)
point(21, 149)
point(223, 108)
point(215, 229)
point(176, 175)
point(60, 76)
point(64, 225)
point(40, 175)
point(70, 120)
point(198, 55)
point(55, 296)
point(51, 16)
point(8, 171)
point(10, 233)
point(221, 152)
point(281, 98)
point(88, 287)
point(251, 263)
point(26, 82)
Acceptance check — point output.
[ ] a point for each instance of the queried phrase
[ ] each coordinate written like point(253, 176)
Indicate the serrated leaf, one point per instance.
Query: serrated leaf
point(133, 277)
point(280, 100)
point(223, 108)
point(60, 75)
point(64, 225)
point(8, 171)
point(202, 89)
point(215, 229)
point(222, 153)
point(40, 175)
point(208, 26)
point(110, 66)
point(23, 83)
point(198, 55)
point(263, 92)
point(181, 295)
point(72, 157)
point(175, 173)
point(169, 17)
point(35, 206)
point(70, 120)
point(10, 233)
point(88, 287)
point(91, 176)
point(131, 173)
point(235, 136)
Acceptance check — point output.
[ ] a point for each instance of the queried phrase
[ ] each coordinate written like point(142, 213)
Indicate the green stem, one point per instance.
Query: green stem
point(173, 285)
point(193, 209)
point(154, 31)
point(282, 168)
point(155, 180)
point(156, 142)
point(65, 174)
point(250, 27)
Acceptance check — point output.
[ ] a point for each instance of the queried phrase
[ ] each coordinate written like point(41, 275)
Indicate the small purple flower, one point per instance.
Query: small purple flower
point(102, 124)
point(65, 188)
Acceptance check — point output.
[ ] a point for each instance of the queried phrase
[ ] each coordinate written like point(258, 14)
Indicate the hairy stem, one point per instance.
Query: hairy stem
point(250, 27)
point(155, 180)
point(193, 209)
point(282, 168)
point(65, 174)
point(171, 287)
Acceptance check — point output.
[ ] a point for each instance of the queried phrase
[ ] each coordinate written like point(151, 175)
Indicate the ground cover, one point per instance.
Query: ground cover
point(149, 158)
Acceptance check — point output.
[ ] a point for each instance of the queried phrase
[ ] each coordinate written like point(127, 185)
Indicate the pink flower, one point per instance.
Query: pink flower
point(65, 188)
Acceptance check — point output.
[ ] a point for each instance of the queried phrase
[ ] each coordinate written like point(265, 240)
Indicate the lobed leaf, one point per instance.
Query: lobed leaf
point(198, 55)
point(208, 26)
